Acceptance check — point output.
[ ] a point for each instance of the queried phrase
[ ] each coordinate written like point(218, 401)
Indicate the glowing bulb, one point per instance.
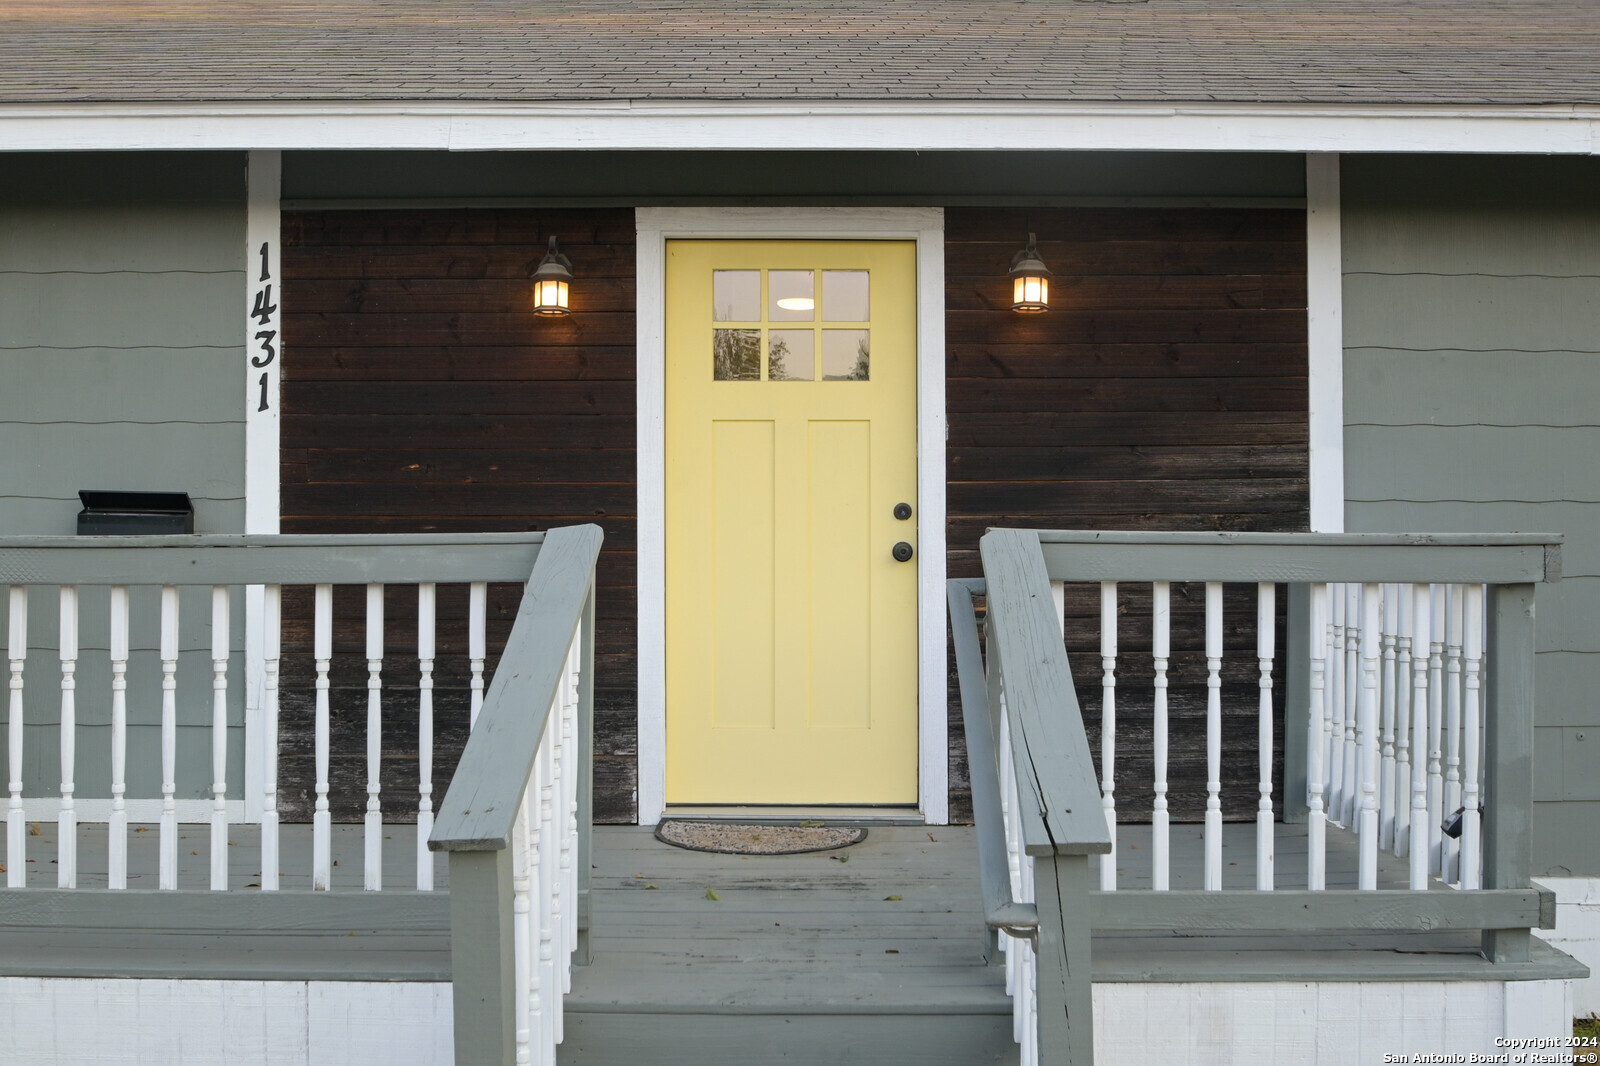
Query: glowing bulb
point(797, 303)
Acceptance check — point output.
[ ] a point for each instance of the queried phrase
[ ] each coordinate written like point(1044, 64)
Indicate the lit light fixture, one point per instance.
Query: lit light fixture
point(552, 281)
point(797, 303)
point(1030, 280)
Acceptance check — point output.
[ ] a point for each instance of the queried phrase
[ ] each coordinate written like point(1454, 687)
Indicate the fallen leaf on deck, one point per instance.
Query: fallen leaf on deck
point(648, 887)
point(933, 838)
point(812, 823)
point(34, 830)
point(711, 894)
point(891, 951)
point(892, 899)
point(839, 858)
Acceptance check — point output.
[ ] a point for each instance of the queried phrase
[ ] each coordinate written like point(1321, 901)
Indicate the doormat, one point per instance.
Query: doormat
point(728, 838)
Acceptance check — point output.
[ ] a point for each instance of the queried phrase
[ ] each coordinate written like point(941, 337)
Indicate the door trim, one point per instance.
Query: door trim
point(925, 225)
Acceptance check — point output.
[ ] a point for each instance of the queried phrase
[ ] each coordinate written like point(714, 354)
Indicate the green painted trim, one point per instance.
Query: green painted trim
point(486, 792)
point(1060, 801)
point(1000, 910)
point(1508, 723)
point(145, 910)
point(1072, 555)
point(1301, 910)
point(1298, 961)
point(1064, 961)
point(400, 558)
point(778, 176)
point(483, 957)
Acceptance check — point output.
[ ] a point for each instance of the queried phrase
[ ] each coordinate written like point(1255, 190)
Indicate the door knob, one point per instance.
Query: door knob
point(902, 511)
point(902, 552)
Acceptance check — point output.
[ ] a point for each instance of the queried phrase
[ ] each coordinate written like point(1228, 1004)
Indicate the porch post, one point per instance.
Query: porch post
point(482, 957)
point(1066, 996)
point(1508, 744)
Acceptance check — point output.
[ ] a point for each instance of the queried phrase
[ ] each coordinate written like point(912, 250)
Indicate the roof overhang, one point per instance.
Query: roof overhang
point(818, 125)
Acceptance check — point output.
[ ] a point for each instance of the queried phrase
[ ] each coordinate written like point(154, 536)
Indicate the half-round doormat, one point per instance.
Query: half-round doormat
point(734, 839)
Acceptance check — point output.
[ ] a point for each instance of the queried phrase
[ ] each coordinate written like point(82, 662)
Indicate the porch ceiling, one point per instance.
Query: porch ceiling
point(1160, 51)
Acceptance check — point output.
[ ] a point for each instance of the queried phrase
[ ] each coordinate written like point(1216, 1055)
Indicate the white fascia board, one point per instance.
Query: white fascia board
point(835, 125)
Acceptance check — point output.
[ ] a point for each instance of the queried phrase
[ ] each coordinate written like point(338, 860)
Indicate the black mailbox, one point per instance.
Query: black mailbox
point(132, 513)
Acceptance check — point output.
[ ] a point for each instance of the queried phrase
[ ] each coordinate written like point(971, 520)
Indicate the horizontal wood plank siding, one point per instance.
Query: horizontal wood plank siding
point(422, 394)
point(1472, 360)
point(1164, 390)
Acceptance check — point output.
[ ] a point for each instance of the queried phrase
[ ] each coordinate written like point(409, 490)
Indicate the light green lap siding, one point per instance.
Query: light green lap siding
point(1471, 464)
point(121, 309)
point(122, 286)
point(1403, 388)
point(1472, 403)
point(1476, 312)
point(113, 384)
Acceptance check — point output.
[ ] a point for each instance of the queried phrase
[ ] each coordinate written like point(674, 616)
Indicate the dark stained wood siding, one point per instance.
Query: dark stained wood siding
point(1164, 390)
point(421, 394)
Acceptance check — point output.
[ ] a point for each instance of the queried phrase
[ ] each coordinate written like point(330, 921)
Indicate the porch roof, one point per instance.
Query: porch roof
point(1505, 52)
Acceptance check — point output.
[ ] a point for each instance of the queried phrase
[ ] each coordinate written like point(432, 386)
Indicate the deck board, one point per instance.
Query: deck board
point(795, 935)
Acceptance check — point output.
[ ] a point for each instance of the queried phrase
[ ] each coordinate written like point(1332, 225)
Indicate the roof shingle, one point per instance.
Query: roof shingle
point(1156, 51)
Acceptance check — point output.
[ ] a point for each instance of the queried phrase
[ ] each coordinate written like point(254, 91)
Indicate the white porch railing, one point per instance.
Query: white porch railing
point(515, 821)
point(1395, 740)
point(151, 591)
point(1389, 767)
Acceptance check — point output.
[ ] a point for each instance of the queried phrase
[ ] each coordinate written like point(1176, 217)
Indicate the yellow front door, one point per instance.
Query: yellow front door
point(790, 440)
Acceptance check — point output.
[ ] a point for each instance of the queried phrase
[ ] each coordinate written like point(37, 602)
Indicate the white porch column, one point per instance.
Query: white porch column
point(1325, 341)
point(263, 300)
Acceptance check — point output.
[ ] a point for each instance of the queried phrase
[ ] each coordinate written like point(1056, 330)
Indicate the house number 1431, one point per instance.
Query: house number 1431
point(262, 312)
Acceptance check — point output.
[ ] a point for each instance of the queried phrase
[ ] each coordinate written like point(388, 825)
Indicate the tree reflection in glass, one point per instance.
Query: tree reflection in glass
point(846, 355)
point(790, 355)
point(736, 354)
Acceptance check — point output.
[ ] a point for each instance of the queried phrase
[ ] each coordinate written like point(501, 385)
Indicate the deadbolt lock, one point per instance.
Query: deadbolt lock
point(902, 511)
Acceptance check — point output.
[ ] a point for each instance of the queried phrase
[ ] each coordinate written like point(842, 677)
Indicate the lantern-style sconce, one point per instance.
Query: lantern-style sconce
point(552, 282)
point(1030, 280)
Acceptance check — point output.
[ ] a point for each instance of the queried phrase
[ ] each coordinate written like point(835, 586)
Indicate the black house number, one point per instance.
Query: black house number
point(262, 312)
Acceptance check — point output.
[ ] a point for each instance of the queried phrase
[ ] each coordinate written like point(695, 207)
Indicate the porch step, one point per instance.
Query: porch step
point(801, 959)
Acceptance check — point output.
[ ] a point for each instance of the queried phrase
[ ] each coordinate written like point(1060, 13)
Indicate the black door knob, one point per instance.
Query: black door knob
point(902, 552)
point(902, 511)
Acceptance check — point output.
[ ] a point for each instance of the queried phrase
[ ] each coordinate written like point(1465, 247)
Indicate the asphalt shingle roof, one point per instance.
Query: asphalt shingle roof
point(1157, 51)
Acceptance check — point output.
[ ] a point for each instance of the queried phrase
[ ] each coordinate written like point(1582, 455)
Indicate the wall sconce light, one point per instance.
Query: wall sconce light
point(1030, 280)
point(552, 281)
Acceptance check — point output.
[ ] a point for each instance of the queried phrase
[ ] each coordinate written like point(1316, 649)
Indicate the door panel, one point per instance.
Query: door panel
point(791, 435)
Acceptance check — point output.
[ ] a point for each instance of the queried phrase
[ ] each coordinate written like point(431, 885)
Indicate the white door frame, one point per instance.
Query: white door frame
point(925, 225)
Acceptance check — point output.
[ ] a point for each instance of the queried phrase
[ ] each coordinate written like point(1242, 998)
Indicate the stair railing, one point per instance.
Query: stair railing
point(1036, 798)
point(516, 821)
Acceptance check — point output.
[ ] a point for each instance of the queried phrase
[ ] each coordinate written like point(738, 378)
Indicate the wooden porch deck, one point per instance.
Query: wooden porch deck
point(808, 954)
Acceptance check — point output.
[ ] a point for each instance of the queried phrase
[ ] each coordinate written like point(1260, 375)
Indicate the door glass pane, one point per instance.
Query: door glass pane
point(844, 296)
point(736, 354)
point(736, 295)
point(791, 295)
point(846, 354)
point(790, 355)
